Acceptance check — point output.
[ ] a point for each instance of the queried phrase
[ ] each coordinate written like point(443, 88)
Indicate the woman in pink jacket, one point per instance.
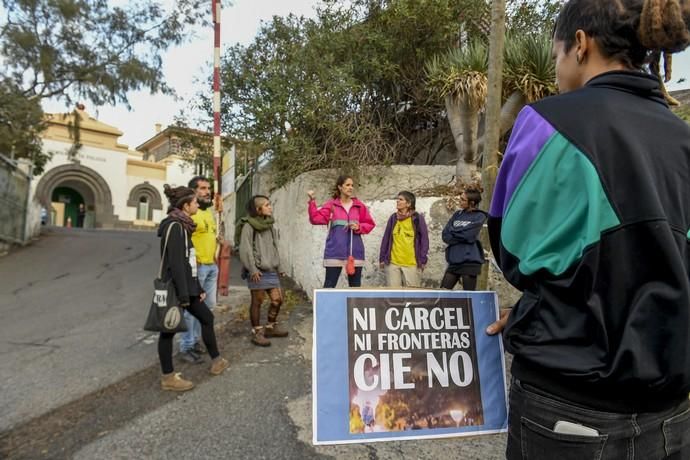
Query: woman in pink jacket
point(348, 219)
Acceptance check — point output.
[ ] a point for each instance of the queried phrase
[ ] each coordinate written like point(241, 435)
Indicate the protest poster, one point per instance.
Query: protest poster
point(406, 364)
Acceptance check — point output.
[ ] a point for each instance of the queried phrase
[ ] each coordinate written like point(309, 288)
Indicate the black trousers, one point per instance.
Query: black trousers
point(469, 282)
point(165, 342)
point(333, 273)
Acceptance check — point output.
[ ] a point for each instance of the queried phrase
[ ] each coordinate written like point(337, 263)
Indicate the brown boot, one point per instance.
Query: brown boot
point(175, 382)
point(258, 337)
point(218, 365)
point(273, 330)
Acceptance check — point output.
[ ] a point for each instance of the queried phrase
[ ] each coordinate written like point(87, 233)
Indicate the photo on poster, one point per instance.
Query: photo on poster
point(412, 364)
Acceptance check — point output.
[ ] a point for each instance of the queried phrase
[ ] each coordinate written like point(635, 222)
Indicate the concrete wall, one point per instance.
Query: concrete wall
point(21, 219)
point(301, 244)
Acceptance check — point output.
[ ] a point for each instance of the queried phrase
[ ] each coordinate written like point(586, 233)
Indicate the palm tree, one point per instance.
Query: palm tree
point(529, 72)
point(460, 77)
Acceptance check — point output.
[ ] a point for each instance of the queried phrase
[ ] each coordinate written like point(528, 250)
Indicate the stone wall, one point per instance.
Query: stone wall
point(301, 244)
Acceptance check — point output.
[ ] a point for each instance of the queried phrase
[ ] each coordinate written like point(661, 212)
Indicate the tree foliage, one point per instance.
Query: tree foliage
point(21, 123)
point(348, 87)
point(86, 49)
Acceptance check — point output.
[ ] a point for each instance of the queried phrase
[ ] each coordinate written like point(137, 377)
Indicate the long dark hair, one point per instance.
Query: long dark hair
point(626, 30)
point(339, 181)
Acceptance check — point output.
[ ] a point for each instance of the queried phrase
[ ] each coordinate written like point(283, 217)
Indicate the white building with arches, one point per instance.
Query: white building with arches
point(117, 186)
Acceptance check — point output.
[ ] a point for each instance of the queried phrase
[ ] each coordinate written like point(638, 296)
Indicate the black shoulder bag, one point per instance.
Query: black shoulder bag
point(165, 314)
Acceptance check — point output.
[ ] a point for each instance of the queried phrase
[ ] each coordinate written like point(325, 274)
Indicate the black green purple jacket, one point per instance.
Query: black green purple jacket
point(591, 220)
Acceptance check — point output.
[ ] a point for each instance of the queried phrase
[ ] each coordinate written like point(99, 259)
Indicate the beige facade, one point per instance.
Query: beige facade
point(118, 186)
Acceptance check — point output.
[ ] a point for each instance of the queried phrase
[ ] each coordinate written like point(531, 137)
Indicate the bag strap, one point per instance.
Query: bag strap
point(165, 247)
point(350, 241)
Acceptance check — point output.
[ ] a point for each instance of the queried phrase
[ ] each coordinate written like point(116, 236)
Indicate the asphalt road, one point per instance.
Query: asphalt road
point(72, 304)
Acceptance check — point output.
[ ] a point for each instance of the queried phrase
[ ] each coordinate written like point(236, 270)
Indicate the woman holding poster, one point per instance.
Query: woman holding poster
point(348, 219)
point(600, 339)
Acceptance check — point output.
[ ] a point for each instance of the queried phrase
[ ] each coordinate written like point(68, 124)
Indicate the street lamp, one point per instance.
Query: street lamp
point(457, 415)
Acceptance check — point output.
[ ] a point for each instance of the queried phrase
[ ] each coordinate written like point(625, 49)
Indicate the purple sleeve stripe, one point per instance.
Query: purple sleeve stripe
point(530, 134)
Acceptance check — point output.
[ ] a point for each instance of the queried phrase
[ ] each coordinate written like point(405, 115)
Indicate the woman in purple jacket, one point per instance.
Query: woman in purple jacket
point(348, 219)
point(405, 244)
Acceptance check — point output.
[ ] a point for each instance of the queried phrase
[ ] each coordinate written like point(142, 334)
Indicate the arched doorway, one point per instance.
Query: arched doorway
point(145, 198)
point(68, 208)
point(72, 182)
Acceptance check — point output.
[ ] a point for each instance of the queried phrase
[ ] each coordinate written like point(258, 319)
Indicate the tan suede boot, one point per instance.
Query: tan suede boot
point(273, 330)
point(218, 365)
point(258, 337)
point(175, 382)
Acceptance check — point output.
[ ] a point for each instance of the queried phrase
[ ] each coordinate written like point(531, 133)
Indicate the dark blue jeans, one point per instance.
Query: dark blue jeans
point(333, 273)
point(649, 436)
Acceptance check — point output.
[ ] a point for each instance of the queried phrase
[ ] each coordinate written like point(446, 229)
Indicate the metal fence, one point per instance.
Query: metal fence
point(242, 195)
point(14, 197)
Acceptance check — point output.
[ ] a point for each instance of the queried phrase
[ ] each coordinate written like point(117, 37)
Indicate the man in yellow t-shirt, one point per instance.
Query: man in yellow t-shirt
point(204, 241)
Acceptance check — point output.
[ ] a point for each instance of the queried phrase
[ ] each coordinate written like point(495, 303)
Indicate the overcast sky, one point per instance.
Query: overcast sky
point(187, 68)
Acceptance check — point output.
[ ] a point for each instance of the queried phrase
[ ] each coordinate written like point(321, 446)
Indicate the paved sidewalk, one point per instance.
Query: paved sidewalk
point(261, 409)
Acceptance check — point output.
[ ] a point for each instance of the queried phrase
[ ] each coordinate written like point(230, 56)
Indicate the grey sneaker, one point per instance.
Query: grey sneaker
point(199, 349)
point(191, 357)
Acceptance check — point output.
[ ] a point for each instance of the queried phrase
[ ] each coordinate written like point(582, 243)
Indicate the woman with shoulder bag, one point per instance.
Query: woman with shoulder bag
point(179, 264)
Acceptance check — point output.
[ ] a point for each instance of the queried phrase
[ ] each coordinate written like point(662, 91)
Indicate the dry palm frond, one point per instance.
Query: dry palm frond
point(529, 67)
point(461, 73)
point(470, 86)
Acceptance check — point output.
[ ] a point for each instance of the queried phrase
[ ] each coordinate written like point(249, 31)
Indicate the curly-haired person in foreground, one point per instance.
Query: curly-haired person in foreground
point(179, 263)
point(591, 220)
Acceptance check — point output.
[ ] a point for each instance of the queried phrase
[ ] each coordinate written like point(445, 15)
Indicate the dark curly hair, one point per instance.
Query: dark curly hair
point(178, 196)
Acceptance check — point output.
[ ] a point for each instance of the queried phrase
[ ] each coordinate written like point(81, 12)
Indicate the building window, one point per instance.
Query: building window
point(143, 209)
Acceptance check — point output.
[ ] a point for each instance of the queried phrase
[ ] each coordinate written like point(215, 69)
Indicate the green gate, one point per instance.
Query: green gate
point(243, 194)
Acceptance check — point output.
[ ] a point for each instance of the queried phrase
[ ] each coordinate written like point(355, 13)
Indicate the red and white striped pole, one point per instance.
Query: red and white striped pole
point(222, 255)
point(216, 95)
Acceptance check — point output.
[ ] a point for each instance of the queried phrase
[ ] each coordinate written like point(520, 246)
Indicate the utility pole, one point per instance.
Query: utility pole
point(222, 255)
point(216, 98)
point(492, 133)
